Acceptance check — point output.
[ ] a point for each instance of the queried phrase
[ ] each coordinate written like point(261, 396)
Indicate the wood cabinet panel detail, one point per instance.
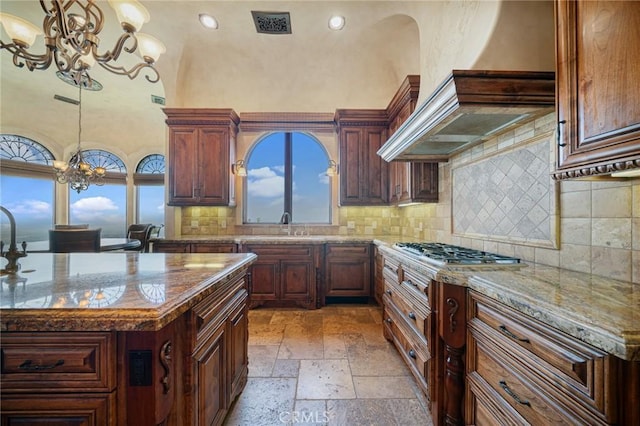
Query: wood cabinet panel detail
point(597, 87)
point(347, 271)
point(200, 155)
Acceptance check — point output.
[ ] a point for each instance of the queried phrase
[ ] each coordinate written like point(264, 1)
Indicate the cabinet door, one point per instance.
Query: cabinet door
point(265, 280)
point(348, 270)
point(298, 280)
point(597, 86)
point(238, 358)
point(183, 165)
point(209, 360)
point(213, 167)
point(364, 176)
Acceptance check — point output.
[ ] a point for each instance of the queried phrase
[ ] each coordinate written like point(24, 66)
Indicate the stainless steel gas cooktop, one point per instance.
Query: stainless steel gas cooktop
point(454, 255)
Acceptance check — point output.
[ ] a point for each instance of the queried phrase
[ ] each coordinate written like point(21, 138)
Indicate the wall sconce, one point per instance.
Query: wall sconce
point(238, 168)
point(332, 169)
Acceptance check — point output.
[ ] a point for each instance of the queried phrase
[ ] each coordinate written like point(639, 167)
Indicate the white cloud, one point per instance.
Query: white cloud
point(264, 182)
point(93, 208)
point(33, 208)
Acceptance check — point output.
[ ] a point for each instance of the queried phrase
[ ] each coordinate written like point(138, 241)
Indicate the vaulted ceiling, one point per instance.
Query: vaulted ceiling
point(313, 69)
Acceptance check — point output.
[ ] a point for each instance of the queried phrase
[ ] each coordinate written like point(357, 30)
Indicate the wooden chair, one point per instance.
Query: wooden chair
point(142, 232)
point(74, 240)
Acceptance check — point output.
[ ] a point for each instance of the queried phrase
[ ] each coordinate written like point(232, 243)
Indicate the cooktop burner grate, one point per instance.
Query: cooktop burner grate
point(451, 254)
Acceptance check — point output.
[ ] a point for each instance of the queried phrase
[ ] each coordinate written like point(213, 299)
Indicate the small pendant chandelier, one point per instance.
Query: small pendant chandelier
point(77, 172)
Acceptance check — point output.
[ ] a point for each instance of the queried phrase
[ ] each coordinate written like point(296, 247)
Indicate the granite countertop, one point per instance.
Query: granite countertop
point(601, 311)
point(110, 291)
point(274, 239)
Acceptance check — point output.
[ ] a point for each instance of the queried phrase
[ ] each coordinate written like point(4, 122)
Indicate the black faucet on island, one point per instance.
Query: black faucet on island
point(12, 255)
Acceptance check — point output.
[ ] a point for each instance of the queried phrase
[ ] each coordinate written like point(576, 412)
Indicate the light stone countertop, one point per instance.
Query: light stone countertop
point(111, 291)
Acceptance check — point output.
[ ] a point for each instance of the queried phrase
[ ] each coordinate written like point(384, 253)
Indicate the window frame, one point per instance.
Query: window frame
point(288, 177)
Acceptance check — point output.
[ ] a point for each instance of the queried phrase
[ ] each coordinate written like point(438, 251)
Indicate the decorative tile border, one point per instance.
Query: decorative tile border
point(509, 196)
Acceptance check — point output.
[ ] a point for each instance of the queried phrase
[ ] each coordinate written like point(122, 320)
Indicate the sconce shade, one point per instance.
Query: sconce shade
point(239, 168)
point(332, 169)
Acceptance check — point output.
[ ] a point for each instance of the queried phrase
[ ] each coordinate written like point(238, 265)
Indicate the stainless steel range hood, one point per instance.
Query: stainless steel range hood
point(467, 108)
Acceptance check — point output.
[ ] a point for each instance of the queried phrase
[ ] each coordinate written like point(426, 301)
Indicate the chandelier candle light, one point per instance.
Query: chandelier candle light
point(71, 29)
point(78, 173)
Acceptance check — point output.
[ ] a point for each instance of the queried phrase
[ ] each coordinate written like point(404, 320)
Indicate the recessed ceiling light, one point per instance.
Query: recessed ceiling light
point(336, 22)
point(208, 21)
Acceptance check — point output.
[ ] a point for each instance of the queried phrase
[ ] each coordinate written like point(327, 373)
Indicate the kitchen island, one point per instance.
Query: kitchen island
point(124, 338)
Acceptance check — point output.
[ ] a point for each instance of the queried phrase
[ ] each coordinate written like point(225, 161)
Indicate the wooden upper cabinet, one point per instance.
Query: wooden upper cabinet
point(364, 176)
point(200, 156)
point(598, 87)
point(414, 181)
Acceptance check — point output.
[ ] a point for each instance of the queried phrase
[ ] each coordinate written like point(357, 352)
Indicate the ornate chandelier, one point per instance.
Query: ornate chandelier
point(71, 29)
point(77, 172)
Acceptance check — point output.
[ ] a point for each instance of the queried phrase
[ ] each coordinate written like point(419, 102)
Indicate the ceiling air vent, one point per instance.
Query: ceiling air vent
point(272, 22)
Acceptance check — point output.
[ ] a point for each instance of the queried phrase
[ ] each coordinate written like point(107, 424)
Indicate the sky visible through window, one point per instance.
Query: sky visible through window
point(265, 183)
point(101, 207)
point(30, 201)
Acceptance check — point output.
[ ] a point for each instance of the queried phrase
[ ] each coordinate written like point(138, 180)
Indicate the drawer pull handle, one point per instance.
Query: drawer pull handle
point(28, 365)
point(412, 315)
point(388, 292)
point(409, 282)
point(412, 353)
point(509, 392)
point(389, 320)
point(506, 331)
point(389, 268)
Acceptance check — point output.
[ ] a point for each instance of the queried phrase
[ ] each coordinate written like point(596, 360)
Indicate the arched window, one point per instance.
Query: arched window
point(287, 174)
point(149, 182)
point(102, 206)
point(27, 187)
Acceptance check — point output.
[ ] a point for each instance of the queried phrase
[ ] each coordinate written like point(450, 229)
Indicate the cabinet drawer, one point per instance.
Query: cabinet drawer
point(569, 363)
point(512, 384)
point(411, 309)
point(281, 251)
point(41, 362)
point(487, 407)
point(80, 409)
point(359, 250)
point(411, 347)
point(418, 285)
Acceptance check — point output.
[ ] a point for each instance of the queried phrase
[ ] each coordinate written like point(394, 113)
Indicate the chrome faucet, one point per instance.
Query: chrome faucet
point(12, 255)
point(286, 220)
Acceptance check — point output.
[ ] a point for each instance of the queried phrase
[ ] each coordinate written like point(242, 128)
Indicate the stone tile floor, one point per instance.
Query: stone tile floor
point(330, 366)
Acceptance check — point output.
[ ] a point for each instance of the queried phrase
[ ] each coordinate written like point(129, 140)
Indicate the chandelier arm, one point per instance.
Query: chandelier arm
point(22, 57)
point(113, 55)
point(134, 71)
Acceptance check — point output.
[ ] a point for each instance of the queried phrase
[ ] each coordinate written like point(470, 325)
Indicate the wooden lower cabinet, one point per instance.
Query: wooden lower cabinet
point(408, 322)
point(347, 271)
point(284, 274)
point(522, 371)
point(187, 373)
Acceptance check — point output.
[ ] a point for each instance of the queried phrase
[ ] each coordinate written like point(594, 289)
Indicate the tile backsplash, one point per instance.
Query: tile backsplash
point(508, 196)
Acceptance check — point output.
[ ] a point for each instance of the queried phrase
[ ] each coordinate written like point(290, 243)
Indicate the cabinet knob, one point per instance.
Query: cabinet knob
point(388, 292)
point(412, 353)
point(412, 315)
point(389, 320)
